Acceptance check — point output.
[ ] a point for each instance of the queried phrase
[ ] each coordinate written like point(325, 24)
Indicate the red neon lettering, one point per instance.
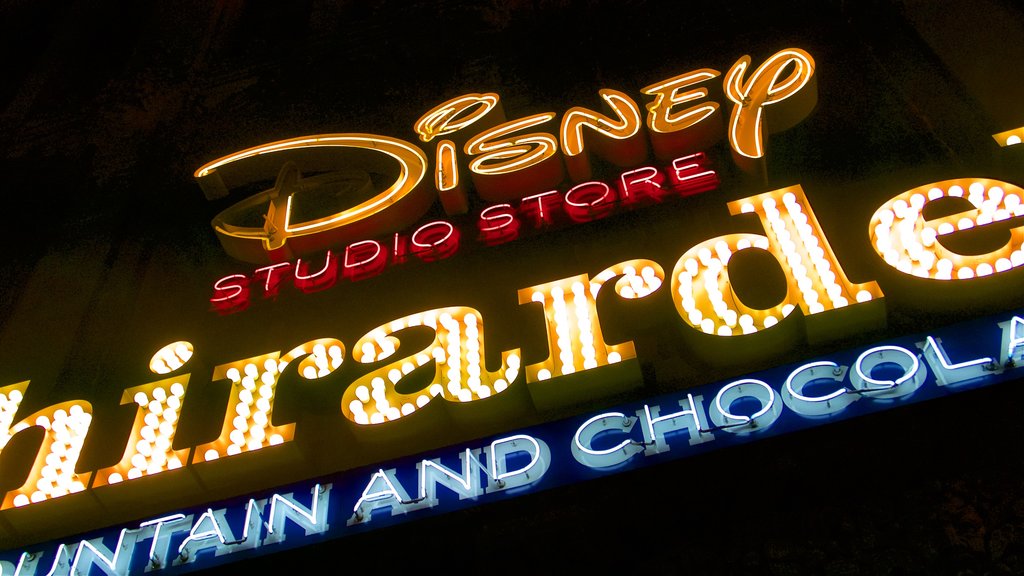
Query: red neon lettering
point(321, 280)
point(541, 217)
point(400, 249)
point(224, 284)
point(589, 201)
point(273, 279)
point(364, 259)
point(498, 224)
point(435, 241)
point(646, 180)
point(691, 175)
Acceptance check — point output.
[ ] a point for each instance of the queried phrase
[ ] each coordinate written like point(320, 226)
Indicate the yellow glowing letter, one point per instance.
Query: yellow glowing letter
point(149, 449)
point(446, 179)
point(455, 114)
point(776, 96)
point(574, 333)
point(703, 294)
point(624, 146)
point(639, 278)
point(459, 376)
point(447, 118)
point(505, 166)
point(247, 422)
point(912, 245)
point(677, 132)
point(292, 227)
point(53, 472)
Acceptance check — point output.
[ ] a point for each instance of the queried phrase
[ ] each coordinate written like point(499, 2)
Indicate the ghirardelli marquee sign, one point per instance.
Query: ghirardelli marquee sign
point(344, 207)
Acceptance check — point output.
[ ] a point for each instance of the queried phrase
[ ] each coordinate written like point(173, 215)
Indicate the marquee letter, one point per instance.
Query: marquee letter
point(703, 294)
point(574, 335)
point(149, 448)
point(53, 473)
point(459, 375)
point(247, 421)
point(912, 245)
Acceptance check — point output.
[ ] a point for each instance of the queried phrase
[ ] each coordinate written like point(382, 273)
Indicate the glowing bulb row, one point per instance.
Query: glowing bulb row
point(702, 290)
point(253, 384)
point(573, 332)
point(909, 243)
point(149, 449)
point(705, 294)
point(10, 399)
point(1011, 137)
point(171, 357)
point(323, 357)
point(632, 285)
point(457, 351)
point(803, 249)
point(65, 430)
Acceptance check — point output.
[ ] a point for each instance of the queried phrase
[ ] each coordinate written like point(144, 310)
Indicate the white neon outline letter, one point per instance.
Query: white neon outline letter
point(1010, 340)
point(205, 535)
point(887, 384)
point(789, 384)
point(466, 483)
point(311, 514)
point(591, 451)
point(888, 389)
point(745, 419)
point(945, 365)
point(941, 354)
point(111, 563)
point(159, 523)
point(698, 434)
point(494, 461)
point(366, 497)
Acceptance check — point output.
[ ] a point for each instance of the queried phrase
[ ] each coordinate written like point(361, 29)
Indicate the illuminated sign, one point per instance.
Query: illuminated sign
point(780, 400)
point(912, 244)
point(507, 165)
point(700, 290)
point(494, 224)
point(440, 358)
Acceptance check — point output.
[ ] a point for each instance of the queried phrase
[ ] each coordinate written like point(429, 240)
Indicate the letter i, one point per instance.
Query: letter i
point(149, 449)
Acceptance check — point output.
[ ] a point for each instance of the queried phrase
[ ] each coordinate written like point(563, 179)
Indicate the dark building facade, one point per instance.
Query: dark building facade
point(109, 111)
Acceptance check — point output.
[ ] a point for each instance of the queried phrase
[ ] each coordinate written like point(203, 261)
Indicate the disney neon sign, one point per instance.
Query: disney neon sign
point(506, 164)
